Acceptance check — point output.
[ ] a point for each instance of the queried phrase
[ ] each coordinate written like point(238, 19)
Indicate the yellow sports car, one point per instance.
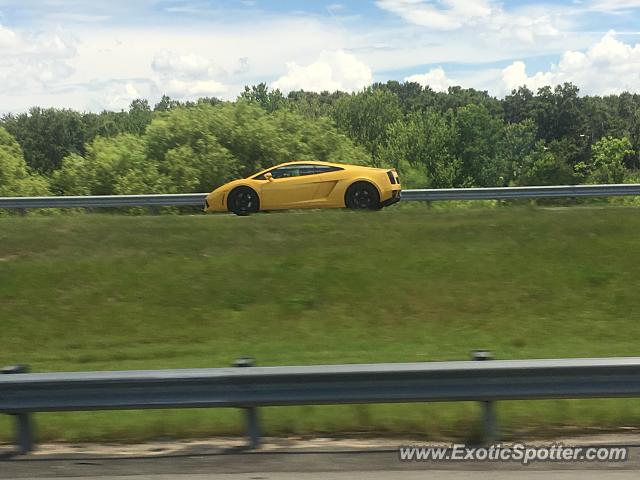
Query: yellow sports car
point(308, 185)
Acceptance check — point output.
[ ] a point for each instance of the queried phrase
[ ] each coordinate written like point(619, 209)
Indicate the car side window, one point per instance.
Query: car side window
point(308, 170)
point(327, 169)
point(289, 171)
point(286, 172)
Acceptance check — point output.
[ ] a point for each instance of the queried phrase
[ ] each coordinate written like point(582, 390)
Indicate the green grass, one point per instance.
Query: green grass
point(103, 292)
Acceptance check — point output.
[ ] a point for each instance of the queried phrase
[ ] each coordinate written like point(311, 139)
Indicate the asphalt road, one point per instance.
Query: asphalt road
point(366, 465)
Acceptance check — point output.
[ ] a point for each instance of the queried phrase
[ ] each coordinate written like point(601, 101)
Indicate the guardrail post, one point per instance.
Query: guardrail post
point(24, 426)
point(489, 422)
point(251, 413)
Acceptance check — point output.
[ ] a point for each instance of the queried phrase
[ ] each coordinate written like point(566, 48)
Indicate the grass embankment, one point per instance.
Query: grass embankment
point(97, 292)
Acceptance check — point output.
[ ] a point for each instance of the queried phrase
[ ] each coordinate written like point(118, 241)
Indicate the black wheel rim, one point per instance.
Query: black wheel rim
point(362, 198)
point(244, 201)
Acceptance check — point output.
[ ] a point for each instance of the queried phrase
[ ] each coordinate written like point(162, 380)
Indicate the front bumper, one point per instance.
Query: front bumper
point(214, 202)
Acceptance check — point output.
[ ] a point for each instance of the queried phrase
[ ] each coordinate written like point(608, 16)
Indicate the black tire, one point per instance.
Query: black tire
point(243, 201)
point(362, 196)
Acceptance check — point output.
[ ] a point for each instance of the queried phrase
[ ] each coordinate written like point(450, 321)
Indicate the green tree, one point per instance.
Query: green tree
point(530, 161)
point(165, 103)
point(408, 93)
point(420, 148)
point(140, 115)
point(218, 143)
point(16, 179)
point(542, 167)
point(457, 97)
point(313, 105)
point(559, 114)
point(607, 165)
point(478, 135)
point(270, 100)
point(365, 116)
point(517, 143)
point(111, 166)
point(47, 136)
point(518, 106)
point(185, 145)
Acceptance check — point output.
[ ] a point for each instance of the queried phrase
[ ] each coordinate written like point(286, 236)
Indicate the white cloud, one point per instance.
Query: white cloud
point(193, 89)
point(486, 17)
point(525, 29)
point(187, 76)
point(33, 62)
point(515, 75)
point(8, 38)
point(186, 63)
point(335, 7)
point(119, 97)
point(612, 6)
point(610, 66)
point(441, 15)
point(170, 63)
point(79, 17)
point(435, 78)
point(334, 70)
point(217, 53)
point(218, 58)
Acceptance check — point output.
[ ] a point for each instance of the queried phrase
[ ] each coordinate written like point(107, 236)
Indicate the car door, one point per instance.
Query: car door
point(291, 186)
point(329, 177)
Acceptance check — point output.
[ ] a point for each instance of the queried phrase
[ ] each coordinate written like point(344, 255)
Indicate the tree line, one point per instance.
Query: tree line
point(458, 138)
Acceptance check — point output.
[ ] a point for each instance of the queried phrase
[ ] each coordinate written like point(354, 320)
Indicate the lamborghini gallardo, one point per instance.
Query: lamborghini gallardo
point(308, 185)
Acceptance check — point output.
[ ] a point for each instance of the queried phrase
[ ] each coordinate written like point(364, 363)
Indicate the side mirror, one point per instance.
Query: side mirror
point(268, 176)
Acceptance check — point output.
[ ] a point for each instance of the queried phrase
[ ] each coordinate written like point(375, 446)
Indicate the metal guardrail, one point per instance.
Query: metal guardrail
point(186, 199)
point(99, 201)
point(24, 393)
point(506, 193)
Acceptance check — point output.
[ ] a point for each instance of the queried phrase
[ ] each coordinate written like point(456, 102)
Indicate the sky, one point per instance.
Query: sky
point(91, 55)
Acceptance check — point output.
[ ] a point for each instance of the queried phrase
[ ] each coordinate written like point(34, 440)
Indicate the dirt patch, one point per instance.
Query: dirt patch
point(219, 445)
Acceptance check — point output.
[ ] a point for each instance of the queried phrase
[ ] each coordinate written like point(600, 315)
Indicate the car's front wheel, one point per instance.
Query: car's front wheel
point(362, 196)
point(243, 201)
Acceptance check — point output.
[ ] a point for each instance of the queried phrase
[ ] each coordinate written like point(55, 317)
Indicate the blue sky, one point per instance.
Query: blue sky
point(93, 55)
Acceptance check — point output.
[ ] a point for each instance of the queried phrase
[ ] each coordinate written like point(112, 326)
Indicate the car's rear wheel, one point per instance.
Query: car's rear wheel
point(362, 196)
point(243, 201)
